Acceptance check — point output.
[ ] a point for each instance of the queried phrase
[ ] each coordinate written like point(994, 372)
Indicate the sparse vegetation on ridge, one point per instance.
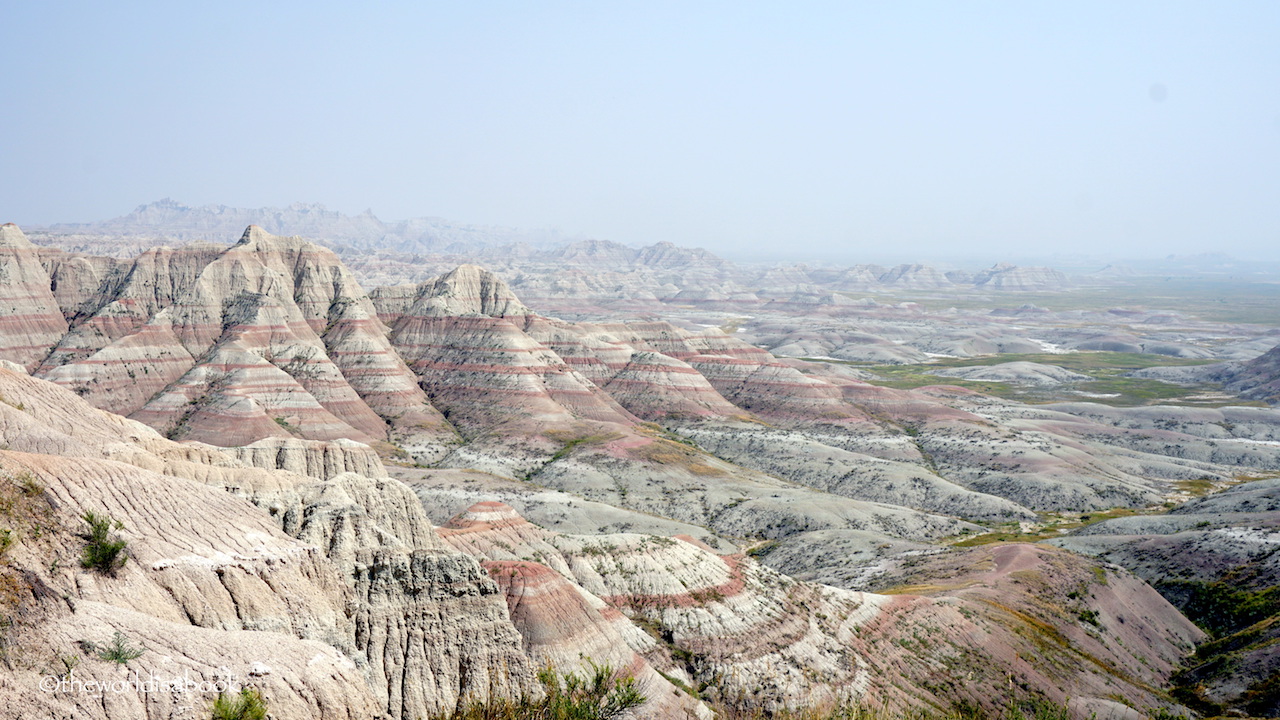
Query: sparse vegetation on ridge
point(599, 693)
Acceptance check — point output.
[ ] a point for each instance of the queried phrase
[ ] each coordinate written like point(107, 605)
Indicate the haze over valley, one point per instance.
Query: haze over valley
point(829, 431)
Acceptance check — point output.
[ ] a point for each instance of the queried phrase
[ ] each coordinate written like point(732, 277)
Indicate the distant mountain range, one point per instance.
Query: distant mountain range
point(216, 223)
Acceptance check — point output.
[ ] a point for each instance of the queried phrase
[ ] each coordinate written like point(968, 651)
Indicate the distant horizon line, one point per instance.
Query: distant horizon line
point(564, 238)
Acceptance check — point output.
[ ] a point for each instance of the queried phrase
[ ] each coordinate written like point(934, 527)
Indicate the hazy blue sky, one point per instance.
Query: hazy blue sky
point(823, 128)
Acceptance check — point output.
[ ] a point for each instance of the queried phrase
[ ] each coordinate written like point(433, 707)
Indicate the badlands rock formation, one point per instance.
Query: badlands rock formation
point(263, 381)
point(32, 321)
point(1254, 379)
point(335, 598)
point(271, 337)
point(177, 221)
point(273, 341)
point(1004, 276)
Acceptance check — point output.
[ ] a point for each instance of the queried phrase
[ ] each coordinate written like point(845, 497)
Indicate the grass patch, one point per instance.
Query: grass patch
point(1050, 525)
point(762, 549)
point(1195, 488)
point(1108, 371)
point(909, 377)
point(667, 452)
point(1222, 607)
point(570, 445)
point(1221, 657)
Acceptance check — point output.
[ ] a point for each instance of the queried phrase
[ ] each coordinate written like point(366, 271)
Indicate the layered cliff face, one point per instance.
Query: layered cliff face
point(334, 596)
point(32, 321)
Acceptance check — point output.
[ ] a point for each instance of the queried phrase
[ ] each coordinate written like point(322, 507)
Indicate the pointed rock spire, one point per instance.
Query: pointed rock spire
point(11, 236)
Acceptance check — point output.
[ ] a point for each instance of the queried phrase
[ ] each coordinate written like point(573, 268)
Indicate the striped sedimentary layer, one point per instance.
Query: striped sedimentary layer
point(271, 337)
point(31, 320)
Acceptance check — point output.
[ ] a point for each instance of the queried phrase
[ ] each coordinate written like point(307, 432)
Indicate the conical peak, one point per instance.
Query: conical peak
point(11, 236)
point(469, 290)
point(486, 514)
point(255, 238)
point(255, 235)
point(467, 270)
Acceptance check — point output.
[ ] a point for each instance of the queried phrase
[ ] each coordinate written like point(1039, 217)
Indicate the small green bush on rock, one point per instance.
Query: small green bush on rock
point(105, 551)
point(248, 704)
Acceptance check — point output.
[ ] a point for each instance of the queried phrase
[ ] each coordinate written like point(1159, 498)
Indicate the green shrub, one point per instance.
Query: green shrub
point(104, 551)
point(117, 651)
point(600, 694)
point(247, 705)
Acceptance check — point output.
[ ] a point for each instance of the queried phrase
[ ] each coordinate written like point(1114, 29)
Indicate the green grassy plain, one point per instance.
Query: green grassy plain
point(1108, 370)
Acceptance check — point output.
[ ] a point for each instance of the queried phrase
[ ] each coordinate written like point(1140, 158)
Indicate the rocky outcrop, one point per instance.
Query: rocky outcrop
point(715, 609)
point(1258, 379)
point(468, 290)
point(916, 277)
point(657, 387)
